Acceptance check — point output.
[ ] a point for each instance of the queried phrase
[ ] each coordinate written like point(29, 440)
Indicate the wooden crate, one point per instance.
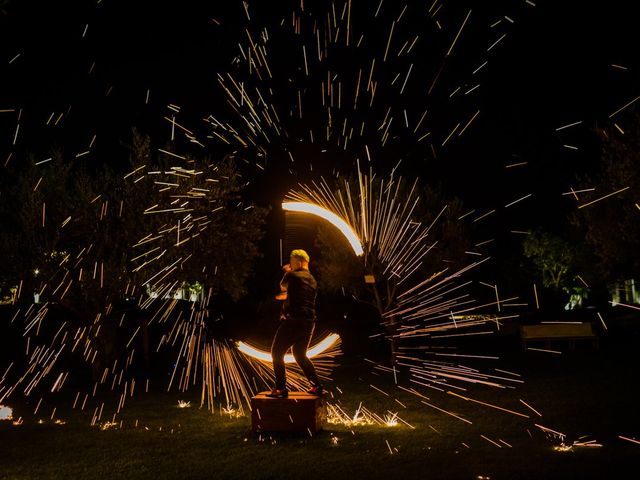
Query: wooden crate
point(300, 412)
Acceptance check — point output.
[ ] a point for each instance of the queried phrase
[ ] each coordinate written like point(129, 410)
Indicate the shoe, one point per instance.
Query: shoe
point(278, 393)
point(316, 390)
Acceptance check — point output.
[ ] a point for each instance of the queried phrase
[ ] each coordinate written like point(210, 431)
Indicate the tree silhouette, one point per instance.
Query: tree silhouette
point(611, 226)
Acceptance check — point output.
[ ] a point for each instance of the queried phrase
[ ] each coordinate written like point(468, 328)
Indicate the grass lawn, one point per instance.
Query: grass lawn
point(583, 393)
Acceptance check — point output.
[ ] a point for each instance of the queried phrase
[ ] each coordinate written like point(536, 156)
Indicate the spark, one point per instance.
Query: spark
point(518, 200)
point(519, 164)
point(569, 125)
point(602, 198)
point(491, 441)
point(615, 304)
point(625, 106)
point(458, 34)
point(447, 412)
point(633, 440)
point(468, 123)
point(497, 41)
point(543, 350)
point(604, 325)
point(575, 192)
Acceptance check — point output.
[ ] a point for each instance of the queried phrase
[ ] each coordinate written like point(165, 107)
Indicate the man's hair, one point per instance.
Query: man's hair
point(300, 254)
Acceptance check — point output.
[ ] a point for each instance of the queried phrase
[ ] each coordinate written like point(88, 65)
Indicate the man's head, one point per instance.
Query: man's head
point(299, 259)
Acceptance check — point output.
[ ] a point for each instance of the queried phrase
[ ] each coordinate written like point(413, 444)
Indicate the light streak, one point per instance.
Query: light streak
point(615, 304)
point(491, 441)
point(602, 198)
point(489, 405)
point(624, 106)
point(543, 350)
point(569, 125)
point(447, 412)
point(530, 407)
point(518, 200)
point(633, 440)
point(317, 349)
point(458, 34)
point(497, 41)
point(331, 217)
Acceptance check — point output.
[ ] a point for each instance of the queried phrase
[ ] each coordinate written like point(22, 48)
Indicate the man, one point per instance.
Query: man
point(298, 290)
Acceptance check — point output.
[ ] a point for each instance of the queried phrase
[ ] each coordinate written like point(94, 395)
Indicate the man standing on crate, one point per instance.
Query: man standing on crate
point(298, 290)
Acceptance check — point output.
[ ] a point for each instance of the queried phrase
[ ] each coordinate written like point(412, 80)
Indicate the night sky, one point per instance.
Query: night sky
point(112, 65)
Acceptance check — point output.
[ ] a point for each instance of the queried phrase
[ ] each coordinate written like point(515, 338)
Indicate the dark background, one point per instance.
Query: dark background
point(553, 68)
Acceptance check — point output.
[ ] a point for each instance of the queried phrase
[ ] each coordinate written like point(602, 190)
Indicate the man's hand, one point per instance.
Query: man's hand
point(281, 296)
point(286, 268)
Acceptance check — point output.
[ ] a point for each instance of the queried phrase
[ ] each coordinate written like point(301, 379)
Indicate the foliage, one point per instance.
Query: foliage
point(70, 234)
point(611, 227)
point(213, 234)
point(553, 258)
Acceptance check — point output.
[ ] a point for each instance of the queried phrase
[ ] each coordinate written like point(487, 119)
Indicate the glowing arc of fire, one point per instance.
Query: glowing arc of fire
point(331, 217)
point(317, 349)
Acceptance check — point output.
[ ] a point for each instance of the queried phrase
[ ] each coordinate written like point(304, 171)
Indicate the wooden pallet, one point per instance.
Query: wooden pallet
point(300, 412)
point(556, 332)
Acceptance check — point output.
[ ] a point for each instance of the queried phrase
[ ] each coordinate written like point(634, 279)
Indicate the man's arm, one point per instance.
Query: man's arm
point(284, 283)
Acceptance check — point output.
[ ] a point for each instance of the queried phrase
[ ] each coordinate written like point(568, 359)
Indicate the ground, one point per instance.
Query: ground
point(586, 395)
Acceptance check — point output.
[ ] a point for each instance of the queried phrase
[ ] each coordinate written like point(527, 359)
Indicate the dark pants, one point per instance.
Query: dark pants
point(296, 334)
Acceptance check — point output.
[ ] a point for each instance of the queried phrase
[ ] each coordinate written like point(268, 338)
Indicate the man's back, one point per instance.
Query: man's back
point(301, 295)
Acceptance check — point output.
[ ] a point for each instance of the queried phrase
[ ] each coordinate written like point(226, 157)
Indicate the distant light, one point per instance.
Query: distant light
point(6, 413)
point(36, 271)
point(266, 356)
point(331, 217)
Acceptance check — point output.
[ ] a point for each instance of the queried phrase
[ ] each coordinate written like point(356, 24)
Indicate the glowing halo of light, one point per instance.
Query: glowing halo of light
point(317, 349)
point(331, 217)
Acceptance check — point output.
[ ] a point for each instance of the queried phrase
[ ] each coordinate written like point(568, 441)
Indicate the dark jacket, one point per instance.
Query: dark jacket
point(301, 295)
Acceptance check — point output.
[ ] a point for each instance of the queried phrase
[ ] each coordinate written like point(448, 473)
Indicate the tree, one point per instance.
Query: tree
point(74, 235)
point(553, 258)
point(556, 261)
point(213, 233)
point(611, 226)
